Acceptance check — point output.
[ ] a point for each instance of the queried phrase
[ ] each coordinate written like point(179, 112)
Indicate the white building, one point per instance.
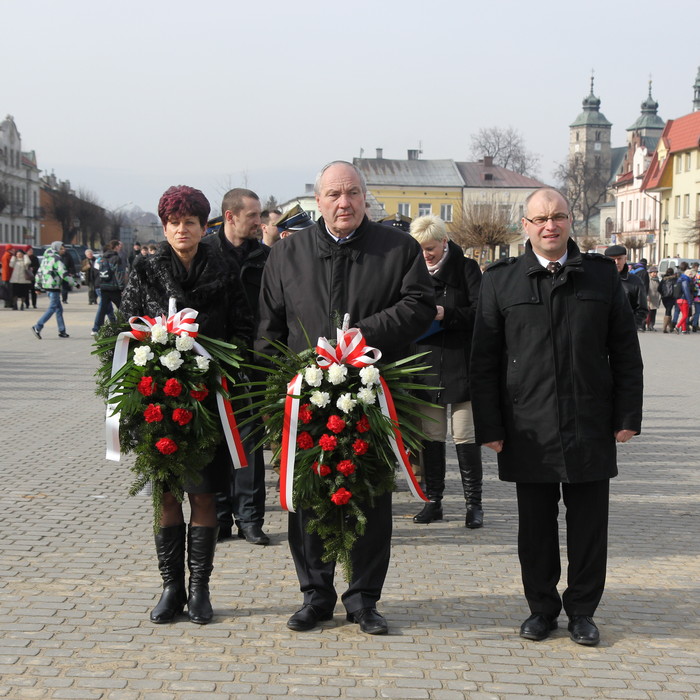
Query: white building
point(19, 188)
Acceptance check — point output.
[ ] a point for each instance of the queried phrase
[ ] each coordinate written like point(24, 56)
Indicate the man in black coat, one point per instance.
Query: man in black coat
point(556, 377)
point(237, 243)
point(633, 285)
point(344, 264)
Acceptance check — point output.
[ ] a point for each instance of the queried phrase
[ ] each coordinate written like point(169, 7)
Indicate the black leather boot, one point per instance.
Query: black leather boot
point(470, 469)
point(170, 548)
point(201, 543)
point(434, 469)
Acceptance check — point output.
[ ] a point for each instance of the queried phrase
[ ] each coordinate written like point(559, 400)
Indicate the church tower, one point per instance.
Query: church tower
point(696, 93)
point(589, 137)
point(649, 124)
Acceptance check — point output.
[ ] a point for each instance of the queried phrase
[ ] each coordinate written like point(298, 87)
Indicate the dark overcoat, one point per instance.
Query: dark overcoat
point(556, 368)
point(216, 293)
point(456, 286)
point(378, 276)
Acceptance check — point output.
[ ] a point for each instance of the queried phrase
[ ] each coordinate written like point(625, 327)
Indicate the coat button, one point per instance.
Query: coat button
point(533, 298)
point(515, 400)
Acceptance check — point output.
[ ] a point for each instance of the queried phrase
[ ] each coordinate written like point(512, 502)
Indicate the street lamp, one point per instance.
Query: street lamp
point(664, 228)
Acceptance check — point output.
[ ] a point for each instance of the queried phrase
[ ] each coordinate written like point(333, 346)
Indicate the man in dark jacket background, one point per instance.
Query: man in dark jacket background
point(633, 285)
point(556, 377)
point(344, 264)
point(245, 256)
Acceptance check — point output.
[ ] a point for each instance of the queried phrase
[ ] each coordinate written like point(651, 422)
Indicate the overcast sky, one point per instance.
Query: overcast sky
point(127, 98)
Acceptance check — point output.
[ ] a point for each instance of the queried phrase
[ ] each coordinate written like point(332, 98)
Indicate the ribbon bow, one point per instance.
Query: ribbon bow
point(350, 349)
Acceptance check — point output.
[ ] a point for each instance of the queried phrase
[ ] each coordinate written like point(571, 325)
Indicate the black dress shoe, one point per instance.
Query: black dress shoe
point(307, 617)
point(253, 534)
point(537, 627)
point(370, 621)
point(583, 630)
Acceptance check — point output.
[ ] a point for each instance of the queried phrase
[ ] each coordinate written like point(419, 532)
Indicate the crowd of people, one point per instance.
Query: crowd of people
point(536, 358)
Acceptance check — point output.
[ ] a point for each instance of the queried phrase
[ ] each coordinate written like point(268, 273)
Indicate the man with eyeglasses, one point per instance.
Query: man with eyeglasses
point(556, 378)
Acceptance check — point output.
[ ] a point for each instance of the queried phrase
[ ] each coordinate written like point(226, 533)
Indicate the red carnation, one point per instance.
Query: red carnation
point(359, 447)
point(341, 497)
point(328, 442)
point(146, 386)
point(305, 414)
point(335, 424)
point(323, 470)
point(166, 446)
point(199, 394)
point(346, 467)
point(362, 425)
point(182, 416)
point(305, 441)
point(172, 387)
point(153, 413)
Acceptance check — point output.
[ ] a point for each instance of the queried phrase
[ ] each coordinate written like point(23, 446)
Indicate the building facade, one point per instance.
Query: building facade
point(19, 188)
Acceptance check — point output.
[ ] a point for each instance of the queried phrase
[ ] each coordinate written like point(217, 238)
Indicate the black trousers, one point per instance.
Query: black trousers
point(370, 561)
point(244, 499)
point(586, 544)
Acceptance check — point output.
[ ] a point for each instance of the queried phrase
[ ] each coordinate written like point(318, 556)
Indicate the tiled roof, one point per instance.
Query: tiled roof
point(417, 172)
point(477, 175)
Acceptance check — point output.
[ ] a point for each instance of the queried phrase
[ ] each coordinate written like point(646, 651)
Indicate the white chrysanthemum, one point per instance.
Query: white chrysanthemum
point(346, 403)
point(337, 374)
point(202, 363)
point(172, 360)
point(320, 398)
point(142, 355)
point(184, 342)
point(369, 375)
point(313, 376)
point(159, 334)
point(366, 395)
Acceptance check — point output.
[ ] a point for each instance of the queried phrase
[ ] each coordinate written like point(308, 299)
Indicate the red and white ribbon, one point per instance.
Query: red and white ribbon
point(351, 349)
point(386, 403)
point(179, 323)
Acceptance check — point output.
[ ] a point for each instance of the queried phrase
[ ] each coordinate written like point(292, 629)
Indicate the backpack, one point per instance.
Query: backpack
point(678, 289)
point(112, 276)
point(666, 287)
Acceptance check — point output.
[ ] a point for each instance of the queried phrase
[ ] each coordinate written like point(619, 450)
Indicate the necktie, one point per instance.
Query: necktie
point(554, 268)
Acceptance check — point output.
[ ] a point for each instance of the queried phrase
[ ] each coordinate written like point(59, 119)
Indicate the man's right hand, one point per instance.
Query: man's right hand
point(496, 446)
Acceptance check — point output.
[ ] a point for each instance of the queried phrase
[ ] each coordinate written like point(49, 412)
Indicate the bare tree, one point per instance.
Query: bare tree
point(634, 243)
point(507, 148)
point(117, 219)
point(93, 221)
point(482, 226)
point(66, 211)
point(271, 203)
point(586, 188)
point(693, 231)
point(586, 243)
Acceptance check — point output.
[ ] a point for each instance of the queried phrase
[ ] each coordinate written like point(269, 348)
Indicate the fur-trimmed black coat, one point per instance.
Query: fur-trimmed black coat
point(456, 286)
point(217, 294)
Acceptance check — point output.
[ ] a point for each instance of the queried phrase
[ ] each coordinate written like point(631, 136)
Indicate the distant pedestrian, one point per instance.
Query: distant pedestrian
point(70, 267)
point(683, 292)
point(34, 264)
point(111, 277)
point(653, 297)
point(51, 276)
point(88, 270)
point(6, 274)
point(666, 288)
point(21, 278)
point(633, 285)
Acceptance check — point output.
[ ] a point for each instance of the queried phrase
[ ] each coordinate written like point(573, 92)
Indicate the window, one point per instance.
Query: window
point(686, 206)
point(679, 161)
point(678, 207)
point(629, 210)
point(424, 209)
point(446, 213)
point(687, 161)
point(404, 209)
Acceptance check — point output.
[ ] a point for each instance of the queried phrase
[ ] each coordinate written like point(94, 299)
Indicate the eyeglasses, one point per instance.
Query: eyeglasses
point(542, 220)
